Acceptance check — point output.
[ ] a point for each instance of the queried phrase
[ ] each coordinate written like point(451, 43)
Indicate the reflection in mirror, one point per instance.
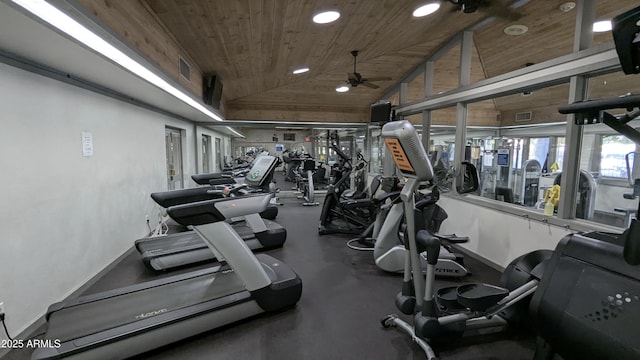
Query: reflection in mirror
point(517, 144)
point(633, 169)
point(469, 182)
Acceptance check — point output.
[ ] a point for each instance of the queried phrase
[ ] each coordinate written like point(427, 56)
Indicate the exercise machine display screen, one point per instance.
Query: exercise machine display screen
point(399, 156)
point(260, 169)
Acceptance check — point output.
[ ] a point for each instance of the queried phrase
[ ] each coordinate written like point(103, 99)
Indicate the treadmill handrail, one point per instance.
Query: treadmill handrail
point(176, 197)
point(210, 211)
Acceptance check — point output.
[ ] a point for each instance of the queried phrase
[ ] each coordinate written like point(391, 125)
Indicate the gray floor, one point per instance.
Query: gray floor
point(344, 298)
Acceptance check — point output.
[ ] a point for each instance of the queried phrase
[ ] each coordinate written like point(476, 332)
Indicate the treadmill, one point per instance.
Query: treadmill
point(169, 252)
point(174, 251)
point(128, 321)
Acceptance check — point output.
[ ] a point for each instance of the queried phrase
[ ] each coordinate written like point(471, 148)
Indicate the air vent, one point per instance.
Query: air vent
point(523, 116)
point(185, 69)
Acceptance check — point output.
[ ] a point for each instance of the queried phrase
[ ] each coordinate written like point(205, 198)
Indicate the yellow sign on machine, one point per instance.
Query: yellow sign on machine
point(399, 156)
point(551, 198)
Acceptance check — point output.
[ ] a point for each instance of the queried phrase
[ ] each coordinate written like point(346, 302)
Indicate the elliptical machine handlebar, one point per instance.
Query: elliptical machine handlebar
point(340, 153)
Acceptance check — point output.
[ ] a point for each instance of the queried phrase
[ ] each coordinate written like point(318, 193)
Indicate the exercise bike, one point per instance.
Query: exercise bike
point(454, 311)
point(305, 182)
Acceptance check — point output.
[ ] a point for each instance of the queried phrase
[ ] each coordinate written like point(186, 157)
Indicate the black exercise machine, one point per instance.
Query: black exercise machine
point(586, 296)
point(588, 303)
point(343, 211)
point(171, 251)
point(305, 181)
point(450, 312)
point(128, 321)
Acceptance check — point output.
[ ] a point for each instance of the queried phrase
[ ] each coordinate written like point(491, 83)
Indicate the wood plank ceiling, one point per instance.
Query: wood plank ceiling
point(254, 45)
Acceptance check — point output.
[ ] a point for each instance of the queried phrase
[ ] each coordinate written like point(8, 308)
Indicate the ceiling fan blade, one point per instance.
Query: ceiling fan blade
point(370, 85)
point(380, 78)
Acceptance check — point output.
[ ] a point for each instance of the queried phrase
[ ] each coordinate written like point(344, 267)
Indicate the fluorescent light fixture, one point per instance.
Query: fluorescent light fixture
point(426, 9)
point(602, 26)
point(342, 88)
point(326, 17)
point(301, 70)
point(67, 25)
point(233, 131)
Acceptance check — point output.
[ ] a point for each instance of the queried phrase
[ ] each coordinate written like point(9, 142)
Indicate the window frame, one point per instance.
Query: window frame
point(574, 68)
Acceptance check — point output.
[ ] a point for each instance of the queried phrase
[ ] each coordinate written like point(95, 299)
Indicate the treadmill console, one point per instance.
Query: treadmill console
point(260, 171)
point(406, 150)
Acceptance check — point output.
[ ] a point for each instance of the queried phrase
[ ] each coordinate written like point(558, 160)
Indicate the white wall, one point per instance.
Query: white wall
point(497, 236)
point(64, 217)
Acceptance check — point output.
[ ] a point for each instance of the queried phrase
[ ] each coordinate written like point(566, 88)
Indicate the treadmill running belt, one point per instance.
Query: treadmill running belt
point(86, 318)
point(190, 239)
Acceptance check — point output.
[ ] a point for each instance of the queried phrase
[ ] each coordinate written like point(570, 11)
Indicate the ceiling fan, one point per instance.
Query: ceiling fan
point(494, 7)
point(355, 79)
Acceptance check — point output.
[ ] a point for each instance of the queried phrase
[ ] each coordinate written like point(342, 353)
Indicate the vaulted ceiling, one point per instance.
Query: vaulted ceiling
point(254, 45)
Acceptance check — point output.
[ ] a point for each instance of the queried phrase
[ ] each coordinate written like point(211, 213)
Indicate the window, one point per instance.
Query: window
point(602, 158)
point(612, 155)
point(556, 164)
point(539, 149)
point(377, 150)
point(511, 155)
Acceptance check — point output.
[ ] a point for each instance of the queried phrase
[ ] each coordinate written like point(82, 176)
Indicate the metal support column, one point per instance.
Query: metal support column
point(461, 138)
point(461, 108)
point(466, 47)
point(426, 115)
point(404, 92)
point(573, 136)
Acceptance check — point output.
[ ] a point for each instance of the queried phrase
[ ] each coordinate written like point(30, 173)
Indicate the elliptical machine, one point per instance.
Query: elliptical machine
point(588, 303)
point(387, 235)
point(455, 311)
point(389, 251)
point(350, 214)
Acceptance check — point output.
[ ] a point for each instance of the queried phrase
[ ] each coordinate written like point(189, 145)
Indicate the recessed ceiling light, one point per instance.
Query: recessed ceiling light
point(326, 17)
point(515, 30)
point(602, 26)
point(426, 9)
point(301, 70)
point(342, 88)
point(568, 6)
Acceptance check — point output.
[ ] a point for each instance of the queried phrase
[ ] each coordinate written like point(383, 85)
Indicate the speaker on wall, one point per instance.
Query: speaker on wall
point(212, 90)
